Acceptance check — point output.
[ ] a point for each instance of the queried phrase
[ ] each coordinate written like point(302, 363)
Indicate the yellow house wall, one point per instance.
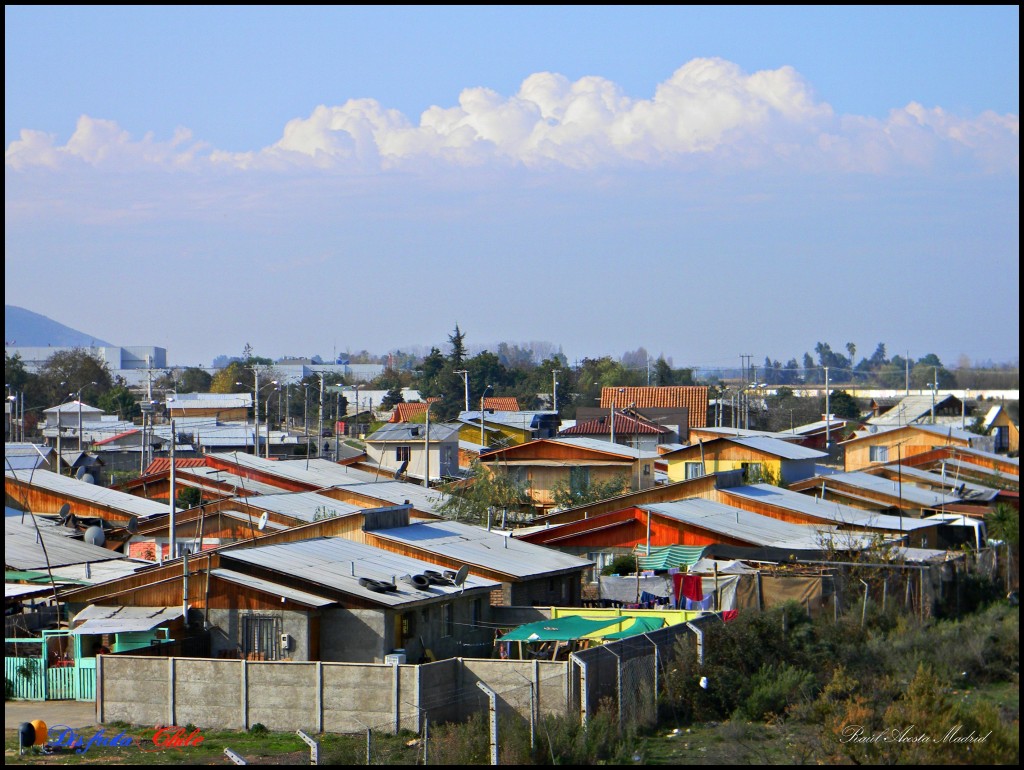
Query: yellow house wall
point(677, 470)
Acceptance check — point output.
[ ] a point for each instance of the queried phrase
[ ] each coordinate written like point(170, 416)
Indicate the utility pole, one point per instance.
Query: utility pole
point(320, 431)
point(828, 413)
point(465, 384)
point(554, 389)
point(173, 552)
point(426, 450)
point(256, 410)
point(935, 389)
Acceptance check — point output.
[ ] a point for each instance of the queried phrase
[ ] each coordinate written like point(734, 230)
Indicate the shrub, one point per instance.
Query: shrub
point(774, 689)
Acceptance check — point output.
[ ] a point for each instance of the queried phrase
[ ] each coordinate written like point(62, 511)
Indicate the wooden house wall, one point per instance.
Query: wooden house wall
point(43, 501)
point(910, 442)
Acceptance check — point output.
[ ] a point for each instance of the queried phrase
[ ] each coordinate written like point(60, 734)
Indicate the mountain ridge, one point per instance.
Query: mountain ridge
point(25, 328)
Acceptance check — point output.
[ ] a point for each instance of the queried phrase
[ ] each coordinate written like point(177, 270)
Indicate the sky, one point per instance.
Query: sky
point(702, 182)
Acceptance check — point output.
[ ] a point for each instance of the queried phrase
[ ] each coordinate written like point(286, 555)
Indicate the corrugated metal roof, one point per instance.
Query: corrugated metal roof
point(691, 397)
point(522, 420)
point(970, 491)
point(302, 505)
point(893, 488)
point(266, 586)
point(827, 510)
point(745, 433)
point(215, 401)
point(23, 551)
point(72, 489)
point(325, 474)
point(117, 620)
point(598, 445)
point(72, 406)
point(783, 449)
point(412, 432)
point(479, 547)
point(338, 564)
point(753, 528)
point(909, 409)
point(981, 470)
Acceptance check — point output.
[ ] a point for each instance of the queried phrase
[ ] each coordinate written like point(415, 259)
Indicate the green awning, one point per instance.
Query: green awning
point(640, 626)
point(668, 556)
point(559, 629)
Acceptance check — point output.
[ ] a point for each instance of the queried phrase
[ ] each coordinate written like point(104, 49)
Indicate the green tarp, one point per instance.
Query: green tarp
point(640, 626)
point(559, 629)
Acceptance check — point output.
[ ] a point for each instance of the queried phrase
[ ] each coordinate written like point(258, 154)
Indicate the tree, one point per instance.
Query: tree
point(392, 398)
point(227, 379)
point(195, 380)
point(842, 405)
point(565, 494)
point(120, 401)
point(67, 372)
point(458, 342)
point(470, 499)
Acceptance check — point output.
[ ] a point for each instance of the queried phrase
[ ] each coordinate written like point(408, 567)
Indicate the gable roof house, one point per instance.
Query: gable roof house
point(529, 574)
point(504, 428)
point(678, 407)
point(923, 409)
point(576, 461)
point(884, 444)
point(405, 450)
point(300, 595)
point(630, 430)
point(227, 407)
point(759, 457)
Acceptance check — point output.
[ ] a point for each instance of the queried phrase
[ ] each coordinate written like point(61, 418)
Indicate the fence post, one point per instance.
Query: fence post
point(319, 696)
point(396, 696)
point(426, 736)
point(99, 689)
point(699, 633)
point(171, 717)
point(492, 700)
point(245, 694)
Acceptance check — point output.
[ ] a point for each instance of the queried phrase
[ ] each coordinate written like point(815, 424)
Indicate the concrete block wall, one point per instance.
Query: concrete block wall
point(319, 697)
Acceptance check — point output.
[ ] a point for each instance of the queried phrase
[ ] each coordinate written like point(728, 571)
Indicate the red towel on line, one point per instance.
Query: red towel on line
point(688, 587)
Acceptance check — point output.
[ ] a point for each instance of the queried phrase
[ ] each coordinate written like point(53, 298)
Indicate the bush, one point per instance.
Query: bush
point(774, 689)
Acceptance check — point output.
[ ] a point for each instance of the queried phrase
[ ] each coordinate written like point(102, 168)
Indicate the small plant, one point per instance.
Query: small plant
point(258, 729)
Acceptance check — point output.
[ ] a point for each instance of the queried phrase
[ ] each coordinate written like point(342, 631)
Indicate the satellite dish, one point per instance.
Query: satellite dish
point(64, 513)
point(88, 478)
point(263, 521)
point(80, 472)
point(461, 575)
point(94, 536)
point(132, 526)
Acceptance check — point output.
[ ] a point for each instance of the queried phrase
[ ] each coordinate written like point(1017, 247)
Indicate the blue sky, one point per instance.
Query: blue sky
point(703, 182)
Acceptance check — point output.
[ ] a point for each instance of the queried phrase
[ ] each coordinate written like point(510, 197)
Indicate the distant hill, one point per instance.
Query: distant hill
point(24, 328)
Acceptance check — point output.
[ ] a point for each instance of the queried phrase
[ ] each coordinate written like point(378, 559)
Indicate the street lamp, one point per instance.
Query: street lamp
point(482, 396)
point(269, 396)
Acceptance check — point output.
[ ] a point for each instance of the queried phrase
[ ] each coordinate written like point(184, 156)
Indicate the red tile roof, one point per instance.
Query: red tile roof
point(405, 412)
point(625, 425)
point(691, 397)
point(501, 403)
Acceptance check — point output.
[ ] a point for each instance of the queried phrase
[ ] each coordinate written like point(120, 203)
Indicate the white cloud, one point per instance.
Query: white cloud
point(709, 110)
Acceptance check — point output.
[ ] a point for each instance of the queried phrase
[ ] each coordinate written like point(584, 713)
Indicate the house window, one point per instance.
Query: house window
point(879, 454)
point(261, 635)
point(694, 470)
point(647, 469)
point(447, 620)
point(478, 610)
point(579, 480)
point(600, 560)
point(752, 473)
point(402, 453)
